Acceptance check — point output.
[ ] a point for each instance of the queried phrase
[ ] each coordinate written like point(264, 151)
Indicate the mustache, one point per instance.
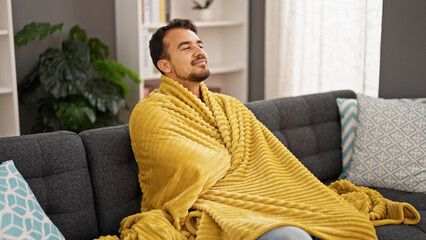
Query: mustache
point(198, 58)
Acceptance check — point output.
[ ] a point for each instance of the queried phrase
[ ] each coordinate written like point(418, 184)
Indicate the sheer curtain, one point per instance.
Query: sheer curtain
point(314, 46)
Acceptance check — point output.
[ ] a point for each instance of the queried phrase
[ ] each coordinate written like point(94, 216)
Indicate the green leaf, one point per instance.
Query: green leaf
point(29, 89)
point(114, 73)
point(63, 73)
point(104, 95)
point(78, 33)
point(77, 114)
point(98, 50)
point(198, 5)
point(46, 120)
point(31, 31)
point(55, 28)
point(105, 120)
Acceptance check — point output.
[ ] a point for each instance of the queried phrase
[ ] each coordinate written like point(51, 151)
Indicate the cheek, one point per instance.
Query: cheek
point(181, 58)
point(181, 64)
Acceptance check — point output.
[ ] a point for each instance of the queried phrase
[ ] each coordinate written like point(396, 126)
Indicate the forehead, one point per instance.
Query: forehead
point(176, 36)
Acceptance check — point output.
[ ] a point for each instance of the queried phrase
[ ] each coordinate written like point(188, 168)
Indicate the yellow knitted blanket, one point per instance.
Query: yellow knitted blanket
point(209, 169)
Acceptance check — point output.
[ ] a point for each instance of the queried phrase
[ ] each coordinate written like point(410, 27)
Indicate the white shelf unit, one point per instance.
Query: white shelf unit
point(9, 113)
point(225, 40)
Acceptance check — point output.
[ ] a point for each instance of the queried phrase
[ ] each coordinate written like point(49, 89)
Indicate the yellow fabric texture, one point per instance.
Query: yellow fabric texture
point(209, 169)
point(372, 204)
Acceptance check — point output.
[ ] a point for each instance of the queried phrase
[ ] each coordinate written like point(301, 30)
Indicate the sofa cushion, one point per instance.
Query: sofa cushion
point(348, 110)
point(390, 148)
point(114, 174)
point(309, 126)
point(21, 216)
point(55, 167)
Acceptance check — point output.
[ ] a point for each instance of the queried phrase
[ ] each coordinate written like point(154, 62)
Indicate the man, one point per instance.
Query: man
point(209, 169)
point(178, 53)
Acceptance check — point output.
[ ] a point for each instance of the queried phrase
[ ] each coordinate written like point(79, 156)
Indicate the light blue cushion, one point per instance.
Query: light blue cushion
point(21, 216)
point(390, 145)
point(348, 110)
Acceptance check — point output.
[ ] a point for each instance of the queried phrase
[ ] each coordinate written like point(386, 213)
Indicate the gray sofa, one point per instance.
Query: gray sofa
point(87, 183)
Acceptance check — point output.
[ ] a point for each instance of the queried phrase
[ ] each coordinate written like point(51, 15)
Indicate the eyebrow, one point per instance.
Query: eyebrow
point(187, 42)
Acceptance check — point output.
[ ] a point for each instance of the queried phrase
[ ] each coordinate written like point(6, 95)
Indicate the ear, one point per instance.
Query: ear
point(164, 65)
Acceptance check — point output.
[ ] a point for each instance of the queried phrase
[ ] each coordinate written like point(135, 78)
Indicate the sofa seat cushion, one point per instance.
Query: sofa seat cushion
point(394, 232)
point(55, 167)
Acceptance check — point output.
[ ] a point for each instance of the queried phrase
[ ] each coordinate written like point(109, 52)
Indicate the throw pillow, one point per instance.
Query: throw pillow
point(21, 216)
point(348, 110)
point(390, 145)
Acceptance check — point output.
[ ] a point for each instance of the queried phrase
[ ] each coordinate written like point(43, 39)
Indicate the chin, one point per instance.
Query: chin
point(199, 77)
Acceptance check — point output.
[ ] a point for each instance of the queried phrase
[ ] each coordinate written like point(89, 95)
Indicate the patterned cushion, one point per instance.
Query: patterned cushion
point(390, 145)
point(21, 216)
point(348, 110)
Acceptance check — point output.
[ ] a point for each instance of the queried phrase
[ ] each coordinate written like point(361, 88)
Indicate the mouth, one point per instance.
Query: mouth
point(201, 61)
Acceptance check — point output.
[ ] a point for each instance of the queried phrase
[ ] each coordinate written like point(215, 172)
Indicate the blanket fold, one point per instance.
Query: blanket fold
point(372, 204)
point(211, 170)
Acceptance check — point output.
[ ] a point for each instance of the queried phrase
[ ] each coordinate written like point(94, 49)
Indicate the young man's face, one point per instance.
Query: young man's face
point(187, 59)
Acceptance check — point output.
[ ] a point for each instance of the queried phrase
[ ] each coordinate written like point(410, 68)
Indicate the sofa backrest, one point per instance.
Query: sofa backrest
point(114, 174)
point(309, 126)
point(55, 167)
point(88, 183)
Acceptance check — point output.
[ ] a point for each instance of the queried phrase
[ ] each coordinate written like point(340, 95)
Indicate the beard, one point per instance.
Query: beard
point(199, 76)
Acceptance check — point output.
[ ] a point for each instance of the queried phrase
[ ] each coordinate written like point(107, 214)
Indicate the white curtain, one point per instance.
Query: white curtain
point(315, 46)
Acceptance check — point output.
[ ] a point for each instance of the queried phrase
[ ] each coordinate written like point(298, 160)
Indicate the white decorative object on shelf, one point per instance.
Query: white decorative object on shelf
point(225, 39)
point(203, 15)
point(202, 9)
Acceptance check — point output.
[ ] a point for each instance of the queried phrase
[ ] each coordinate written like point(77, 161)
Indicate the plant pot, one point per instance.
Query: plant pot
point(203, 15)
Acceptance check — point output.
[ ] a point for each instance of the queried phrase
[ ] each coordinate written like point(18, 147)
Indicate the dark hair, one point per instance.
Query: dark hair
point(156, 45)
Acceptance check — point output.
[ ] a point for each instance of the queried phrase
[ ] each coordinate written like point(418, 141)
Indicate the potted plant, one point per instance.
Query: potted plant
point(75, 87)
point(203, 12)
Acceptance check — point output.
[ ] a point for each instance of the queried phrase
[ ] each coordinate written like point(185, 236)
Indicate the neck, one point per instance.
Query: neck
point(192, 86)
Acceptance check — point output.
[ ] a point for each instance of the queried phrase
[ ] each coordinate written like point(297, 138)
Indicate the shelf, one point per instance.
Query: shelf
point(213, 70)
point(4, 90)
point(224, 69)
point(225, 38)
point(153, 27)
point(9, 112)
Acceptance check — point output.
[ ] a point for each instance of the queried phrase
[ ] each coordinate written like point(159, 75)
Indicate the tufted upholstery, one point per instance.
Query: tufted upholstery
point(87, 183)
point(55, 167)
point(309, 126)
point(114, 172)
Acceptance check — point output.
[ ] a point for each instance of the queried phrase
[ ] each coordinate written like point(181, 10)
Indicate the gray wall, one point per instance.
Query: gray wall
point(257, 50)
point(403, 49)
point(95, 16)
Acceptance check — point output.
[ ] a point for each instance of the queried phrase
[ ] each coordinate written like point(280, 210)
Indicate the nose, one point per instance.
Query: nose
point(200, 52)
